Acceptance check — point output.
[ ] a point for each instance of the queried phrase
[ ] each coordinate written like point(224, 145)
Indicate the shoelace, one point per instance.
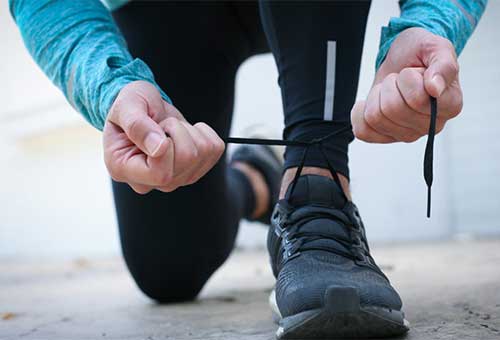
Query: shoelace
point(318, 142)
point(352, 246)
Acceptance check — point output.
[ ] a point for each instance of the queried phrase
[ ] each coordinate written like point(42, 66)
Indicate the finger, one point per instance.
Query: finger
point(136, 168)
point(124, 161)
point(140, 189)
point(204, 148)
point(442, 66)
point(112, 150)
point(216, 149)
point(394, 107)
point(374, 117)
point(185, 151)
point(410, 83)
point(164, 168)
point(362, 130)
point(132, 117)
point(217, 143)
point(171, 111)
point(450, 103)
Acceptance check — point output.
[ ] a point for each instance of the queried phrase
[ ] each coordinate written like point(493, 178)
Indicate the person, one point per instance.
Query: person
point(179, 203)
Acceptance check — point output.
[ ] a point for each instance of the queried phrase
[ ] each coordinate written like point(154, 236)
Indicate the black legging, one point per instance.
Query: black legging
point(173, 242)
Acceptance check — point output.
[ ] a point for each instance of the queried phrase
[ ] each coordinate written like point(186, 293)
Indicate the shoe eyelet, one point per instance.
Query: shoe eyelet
point(290, 255)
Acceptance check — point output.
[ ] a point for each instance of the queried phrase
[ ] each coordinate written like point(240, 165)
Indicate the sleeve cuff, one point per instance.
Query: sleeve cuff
point(390, 33)
point(119, 76)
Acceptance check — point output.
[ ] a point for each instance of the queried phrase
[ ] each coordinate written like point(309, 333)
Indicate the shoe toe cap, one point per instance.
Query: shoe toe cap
point(300, 287)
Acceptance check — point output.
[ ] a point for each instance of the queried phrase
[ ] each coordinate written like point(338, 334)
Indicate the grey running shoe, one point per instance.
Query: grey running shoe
point(327, 283)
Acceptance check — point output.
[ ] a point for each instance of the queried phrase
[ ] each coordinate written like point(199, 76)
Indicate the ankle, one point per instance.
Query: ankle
point(311, 170)
point(259, 186)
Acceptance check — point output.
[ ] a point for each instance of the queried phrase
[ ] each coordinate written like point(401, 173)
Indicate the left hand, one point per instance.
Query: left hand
point(397, 108)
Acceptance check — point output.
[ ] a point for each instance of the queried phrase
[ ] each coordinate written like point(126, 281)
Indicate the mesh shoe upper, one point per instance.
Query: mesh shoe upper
point(317, 240)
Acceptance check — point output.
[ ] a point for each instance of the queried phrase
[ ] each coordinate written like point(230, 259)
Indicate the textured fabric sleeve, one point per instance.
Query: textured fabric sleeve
point(454, 20)
point(79, 47)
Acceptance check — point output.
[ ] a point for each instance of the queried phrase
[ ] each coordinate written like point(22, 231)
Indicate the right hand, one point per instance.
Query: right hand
point(419, 64)
point(138, 152)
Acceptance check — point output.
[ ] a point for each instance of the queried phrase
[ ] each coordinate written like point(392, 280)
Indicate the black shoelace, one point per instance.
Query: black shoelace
point(319, 142)
point(353, 245)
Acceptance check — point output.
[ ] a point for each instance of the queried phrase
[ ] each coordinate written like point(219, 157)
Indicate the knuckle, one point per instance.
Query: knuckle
point(410, 138)
point(390, 105)
point(170, 122)
point(220, 146)
point(410, 82)
point(457, 107)
point(407, 73)
point(440, 126)
point(450, 66)
point(455, 112)
point(373, 118)
point(162, 178)
point(201, 125)
point(204, 147)
point(192, 180)
point(390, 78)
point(356, 131)
point(168, 188)
point(187, 155)
point(416, 100)
point(141, 191)
point(165, 189)
point(360, 133)
point(130, 124)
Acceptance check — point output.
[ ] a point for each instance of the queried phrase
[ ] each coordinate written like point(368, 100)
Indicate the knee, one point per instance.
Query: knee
point(169, 287)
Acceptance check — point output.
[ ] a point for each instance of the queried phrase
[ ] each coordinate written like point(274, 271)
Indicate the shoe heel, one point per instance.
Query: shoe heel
point(342, 300)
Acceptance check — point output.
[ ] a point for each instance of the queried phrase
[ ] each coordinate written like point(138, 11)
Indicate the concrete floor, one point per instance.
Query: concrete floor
point(451, 291)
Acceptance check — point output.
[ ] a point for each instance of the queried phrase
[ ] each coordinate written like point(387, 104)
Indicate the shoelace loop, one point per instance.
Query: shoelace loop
point(316, 142)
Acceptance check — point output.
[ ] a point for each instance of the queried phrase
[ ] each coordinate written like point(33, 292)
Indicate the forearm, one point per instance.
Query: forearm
point(454, 20)
point(79, 47)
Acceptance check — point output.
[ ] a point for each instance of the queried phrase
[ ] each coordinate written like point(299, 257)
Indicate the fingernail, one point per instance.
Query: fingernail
point(439, 83)
point(152, 143)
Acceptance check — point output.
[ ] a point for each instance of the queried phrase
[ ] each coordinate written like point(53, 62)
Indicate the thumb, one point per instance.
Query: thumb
point(442, 68)
point(131, 115)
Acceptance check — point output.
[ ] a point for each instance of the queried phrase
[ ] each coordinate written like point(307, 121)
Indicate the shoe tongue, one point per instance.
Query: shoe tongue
point(322, 191)
point(314, 189)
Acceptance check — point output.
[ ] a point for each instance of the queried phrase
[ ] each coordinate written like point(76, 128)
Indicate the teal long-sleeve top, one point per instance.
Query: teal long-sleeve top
point(80, 48)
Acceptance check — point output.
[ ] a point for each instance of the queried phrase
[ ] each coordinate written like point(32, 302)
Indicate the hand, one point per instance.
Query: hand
point(397, 108)
point(137, 151)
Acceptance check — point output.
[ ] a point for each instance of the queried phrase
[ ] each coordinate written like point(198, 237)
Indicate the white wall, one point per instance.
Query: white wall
point(55, 196)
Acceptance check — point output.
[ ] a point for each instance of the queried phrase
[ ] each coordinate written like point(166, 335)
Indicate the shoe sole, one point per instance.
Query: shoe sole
point(342, 317)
